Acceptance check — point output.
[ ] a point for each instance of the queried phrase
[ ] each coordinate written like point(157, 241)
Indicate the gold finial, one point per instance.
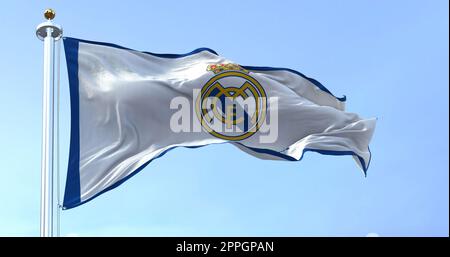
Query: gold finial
point(49, 14)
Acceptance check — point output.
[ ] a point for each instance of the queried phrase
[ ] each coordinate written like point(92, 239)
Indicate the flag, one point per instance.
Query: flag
point(130, 107)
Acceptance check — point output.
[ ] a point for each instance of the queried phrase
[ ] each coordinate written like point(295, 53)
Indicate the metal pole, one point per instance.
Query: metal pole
point(57, 171)
point(49, 33)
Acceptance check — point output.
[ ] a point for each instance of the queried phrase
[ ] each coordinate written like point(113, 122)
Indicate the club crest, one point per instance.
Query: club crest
point(232, 104)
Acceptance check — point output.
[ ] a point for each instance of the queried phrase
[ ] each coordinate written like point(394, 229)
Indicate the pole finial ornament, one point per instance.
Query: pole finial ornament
point(49, 14)
point(42, 29)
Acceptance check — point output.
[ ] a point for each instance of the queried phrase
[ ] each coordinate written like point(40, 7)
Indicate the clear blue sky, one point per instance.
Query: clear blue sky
point(390, 58)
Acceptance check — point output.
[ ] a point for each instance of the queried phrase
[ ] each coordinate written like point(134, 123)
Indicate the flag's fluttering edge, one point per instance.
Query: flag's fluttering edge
point(129, 108)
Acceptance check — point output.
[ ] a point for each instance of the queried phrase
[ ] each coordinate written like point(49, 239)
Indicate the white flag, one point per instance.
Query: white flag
point(130, 107)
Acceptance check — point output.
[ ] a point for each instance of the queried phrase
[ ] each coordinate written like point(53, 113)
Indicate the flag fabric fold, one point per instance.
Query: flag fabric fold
point(130, 107)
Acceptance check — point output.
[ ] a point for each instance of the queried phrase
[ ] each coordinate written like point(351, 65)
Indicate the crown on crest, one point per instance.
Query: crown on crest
point(217, 68)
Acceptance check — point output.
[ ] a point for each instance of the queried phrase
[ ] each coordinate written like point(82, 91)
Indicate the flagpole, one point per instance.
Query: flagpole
point(49, 33)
